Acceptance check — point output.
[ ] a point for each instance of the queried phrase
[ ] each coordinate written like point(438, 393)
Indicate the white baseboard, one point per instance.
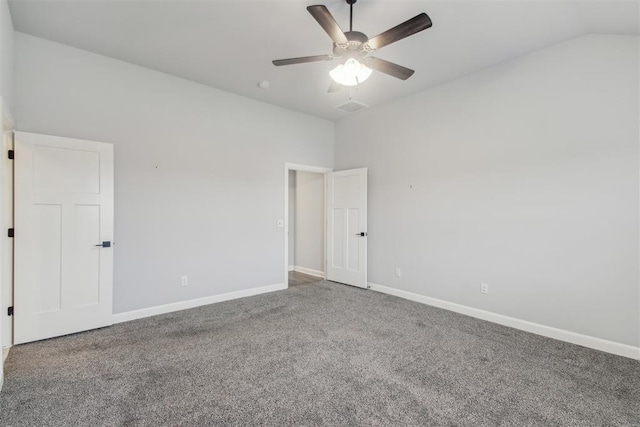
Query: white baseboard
point(292, 267)
point(546, 331)
point(309, 271)
point(184, 305)
point(5, 353)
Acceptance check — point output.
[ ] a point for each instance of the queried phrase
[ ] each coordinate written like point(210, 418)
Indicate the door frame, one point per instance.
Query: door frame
point(6, 245)
point(303, 168)
point(6, 262)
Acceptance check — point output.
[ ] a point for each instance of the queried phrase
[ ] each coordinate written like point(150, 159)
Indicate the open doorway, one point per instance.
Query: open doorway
point(344, 230)
point(306, 227)
point(304, 224)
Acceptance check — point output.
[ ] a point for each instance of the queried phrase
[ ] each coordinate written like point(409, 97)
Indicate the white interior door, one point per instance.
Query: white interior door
point(63, 213)
point(347, 227)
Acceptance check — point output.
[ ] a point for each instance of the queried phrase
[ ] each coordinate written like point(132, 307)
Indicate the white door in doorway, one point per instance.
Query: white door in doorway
point(63, 232)
point(347, 227)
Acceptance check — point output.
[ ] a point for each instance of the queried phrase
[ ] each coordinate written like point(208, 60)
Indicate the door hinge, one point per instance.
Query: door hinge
point(12, 154)
point(10, 311)
point(11, 232)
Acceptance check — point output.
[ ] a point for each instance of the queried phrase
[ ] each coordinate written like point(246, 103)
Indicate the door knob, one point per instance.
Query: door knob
point(106, 244)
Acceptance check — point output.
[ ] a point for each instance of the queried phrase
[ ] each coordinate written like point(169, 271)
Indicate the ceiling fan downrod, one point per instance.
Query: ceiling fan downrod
point(351, 3)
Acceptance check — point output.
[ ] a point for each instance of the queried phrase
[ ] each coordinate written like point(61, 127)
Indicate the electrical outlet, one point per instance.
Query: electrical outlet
point(484, 288)
point(398, 272)
point(184, 281)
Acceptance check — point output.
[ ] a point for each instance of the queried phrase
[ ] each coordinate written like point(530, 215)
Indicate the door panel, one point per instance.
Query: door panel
point(63, 209)
point(47, 243)
point(84, 280)
point(61, 170)
point(337, 254)
point(347, 214)
point(354, 228)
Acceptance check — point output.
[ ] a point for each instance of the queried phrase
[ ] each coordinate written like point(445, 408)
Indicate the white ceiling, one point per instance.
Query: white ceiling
point(230, 44)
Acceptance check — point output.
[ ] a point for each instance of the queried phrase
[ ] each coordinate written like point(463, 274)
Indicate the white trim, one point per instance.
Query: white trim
point(292, 267)
point(6, 219)
point(5, 354)
point(305, 168)
point(524, 325)
point(309, 271)
point(184, 305)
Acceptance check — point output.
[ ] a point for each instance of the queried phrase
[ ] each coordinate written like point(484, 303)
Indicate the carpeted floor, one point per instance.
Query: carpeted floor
point(316, 354)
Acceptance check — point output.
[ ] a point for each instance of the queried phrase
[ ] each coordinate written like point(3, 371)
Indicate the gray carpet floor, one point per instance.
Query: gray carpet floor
point(316, 354)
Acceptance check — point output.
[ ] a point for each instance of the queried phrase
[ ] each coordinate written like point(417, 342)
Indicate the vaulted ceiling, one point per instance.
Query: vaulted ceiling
point(229, 45)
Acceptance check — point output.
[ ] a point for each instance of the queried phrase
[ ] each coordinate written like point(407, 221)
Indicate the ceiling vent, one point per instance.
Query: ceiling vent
point(352, 106)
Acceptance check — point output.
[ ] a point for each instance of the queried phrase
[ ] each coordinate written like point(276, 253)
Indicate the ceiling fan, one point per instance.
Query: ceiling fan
point(354, 48)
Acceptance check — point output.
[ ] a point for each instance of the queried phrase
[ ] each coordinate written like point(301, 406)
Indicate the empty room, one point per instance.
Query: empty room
point(328, 212)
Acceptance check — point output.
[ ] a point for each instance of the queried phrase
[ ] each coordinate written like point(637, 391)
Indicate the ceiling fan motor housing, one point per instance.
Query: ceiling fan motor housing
point(353, 48)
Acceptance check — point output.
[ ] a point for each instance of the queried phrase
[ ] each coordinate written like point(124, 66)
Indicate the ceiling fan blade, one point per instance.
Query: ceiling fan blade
point(334, 87)
point(399, 32)
point(395, 70)
point(328, 23)
point(302, 60)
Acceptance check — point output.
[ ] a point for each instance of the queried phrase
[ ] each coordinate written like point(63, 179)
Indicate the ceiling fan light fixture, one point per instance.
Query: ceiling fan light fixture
point(351, 73)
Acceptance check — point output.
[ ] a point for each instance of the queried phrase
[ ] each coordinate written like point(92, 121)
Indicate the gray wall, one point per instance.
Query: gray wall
point(6, 55)
point(309, 236)
point(525, 176)
point(199, 172)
